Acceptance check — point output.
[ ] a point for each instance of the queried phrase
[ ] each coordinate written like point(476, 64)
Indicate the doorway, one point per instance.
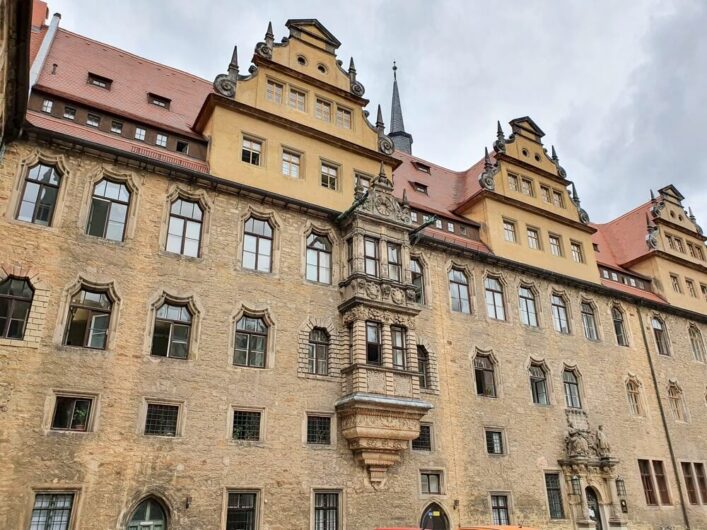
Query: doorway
point(594, 508)
point(434, 518)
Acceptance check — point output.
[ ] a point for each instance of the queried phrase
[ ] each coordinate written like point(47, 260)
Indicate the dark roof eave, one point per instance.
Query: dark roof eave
point(18, 71)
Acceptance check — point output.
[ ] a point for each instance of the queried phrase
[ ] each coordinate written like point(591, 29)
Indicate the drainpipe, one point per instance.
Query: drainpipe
point(43, 52)
point(662, 417)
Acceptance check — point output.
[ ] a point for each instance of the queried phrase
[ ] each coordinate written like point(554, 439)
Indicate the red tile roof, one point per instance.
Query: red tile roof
point(618, 286)
point(623, 240)
point(35, 41)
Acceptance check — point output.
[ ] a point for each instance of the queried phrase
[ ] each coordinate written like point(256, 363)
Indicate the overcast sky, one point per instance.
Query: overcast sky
point(620, 88)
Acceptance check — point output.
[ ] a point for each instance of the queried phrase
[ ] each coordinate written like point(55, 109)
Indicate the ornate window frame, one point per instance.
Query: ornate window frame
point(497, 380)
point(668, 342)
point(631, 378)
point(276, 224)
point(501, 279)
point(549, 387)
point(595, 314)
point(178, 191)
point(334, 240)
point(568, 310)
point(336, 349)
point(566, 367)
point(673, 384)
point(255, 312)
point(527, 284)
point(692, 328)
point(626, 326)
point(471, 287)
point(38, 310)
point(427, 294)
point(433, 372)
point(157, 494)
point(194, 307)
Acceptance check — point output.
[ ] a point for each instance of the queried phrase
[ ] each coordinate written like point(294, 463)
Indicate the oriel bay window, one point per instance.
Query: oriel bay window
point(89, 318)
point(251, 342)
point(370, 255)
point(257, 245)
point(399, 350)
point(318, 258)
point(374, 344)
point(41, 188)
point(15, 303)
point(172, 331)
point(184, 231)
point(395, 269)
point(109, 210)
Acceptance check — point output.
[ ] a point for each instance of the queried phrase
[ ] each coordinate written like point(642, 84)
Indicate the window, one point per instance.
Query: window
point(494, 442)
point(89, 316)
point(149, 515)
point(555, 245)
point(533, 239)
point(459, 291)
point(319, 430)
point(676, 283)
point(528, 310)
point(619, 329)
point(399, 350)
point(182, 147)
point(161, 419)
point(349, 255)
point(526, 187)
point(343, 118)
point(51, 511)
point(431, 482)
point(661, 481)
point(661, 336)
point(139, 133)
point(330, 176)
point(572, 399)
point(241, 512)
point(41, 188)
point(418, 280)
point(257, 245)
point(494, 299)
point(698, 345)
point(554, 496)
point(109, 210)
point(559, 314)
point(422, 188)
point(15, 303)
point(484, 376)
point(374, 354)
point(703, 288)
point(538, 385)
point(69, 113)
point(370, 254)
point(589, 321)
point(677, 404)
point(291, 163)
point(322, 110)
point(545, 193)
point(679, 245)
point(318, 352)
point(184, 231)
point(251, 151)
point(450, 227)
point(499, 509)
point(644, 467)
point(297, 100)
point(558, 199)
point(251, 342)
point(509, 231)
point(99, 81)
point(513, 182)
point(161, 140)
point(633, 393)
point(438, 222)
point(47, 105)
point(246, 425)
point(326, 511)
point(690, 485)
point(395, 269)
point(159, 101)
point(691, 287)
point(701, 480)
point(93, 120)
point(365, 183)
point(71, 413)
point(423, 366)
point(273, 91)
point(117, 128)
point(424, 441)
point(577, 253)
point(172, 330)
point(318, 258)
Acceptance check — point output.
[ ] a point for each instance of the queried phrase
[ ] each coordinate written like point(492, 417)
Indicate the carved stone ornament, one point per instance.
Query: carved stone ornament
point(487, 181)
point(583, 443)
point(583, 216)
point(385, 145)
point(382, 203)
point(657, 208)
point(225, 85)
point(651, 238)
point(373, 291)
point(357, 89)
point(398, 297)
point(263, 50)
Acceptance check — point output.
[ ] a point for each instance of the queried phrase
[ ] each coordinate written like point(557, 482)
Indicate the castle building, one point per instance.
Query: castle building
point(242, 304)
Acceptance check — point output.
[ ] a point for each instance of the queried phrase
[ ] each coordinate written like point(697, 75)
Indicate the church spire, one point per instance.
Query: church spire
point(401, 139)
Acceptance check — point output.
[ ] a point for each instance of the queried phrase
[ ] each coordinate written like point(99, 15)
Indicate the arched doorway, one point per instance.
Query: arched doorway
point(594, 508)
point(149, 515)
point(434, 518)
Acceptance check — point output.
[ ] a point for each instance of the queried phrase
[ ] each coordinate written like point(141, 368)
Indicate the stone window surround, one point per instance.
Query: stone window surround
point(433, 441)
point(180, 299)
point(333, 430)
point(509, 504)
point(262, 430)
point(37, 313)
point(666, 333)
point(627, 325)
point(259, 502)
point(700, 336)
point(336, 256)
point(181, 416)
point(276, 224)
point(643, 411)
point(471, 287)
point(674, 384)
point(563, 492)
point(549, 387)
point(50, 407)
point(338, 349)
point(254, 311)
point(505, 446)
point(532, 287)
point(442, 481)
point(566, 367)
point(428, 294)
point(342, 505)
point(497, 380)
point(432, 374)
point(500, 277)
point(554, 291)
point(54, 489)
point(597, 320)
point(186, 193)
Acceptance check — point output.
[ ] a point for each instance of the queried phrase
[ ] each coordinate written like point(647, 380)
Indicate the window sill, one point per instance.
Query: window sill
point(19, 343)
point(102, 240)
point(161, 437)
point(81, 349)
point(181, 257)
point(314, 283)
point(256, 272)
point(248, 443)
point(320, 447)
point(320, 377)
point(34, 226)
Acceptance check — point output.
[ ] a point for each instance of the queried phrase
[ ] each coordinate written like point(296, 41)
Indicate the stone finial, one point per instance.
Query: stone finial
point(380, 124)
point(555, 158)
point(575, 196)
point(269, 36)
point(500, 144)
point(395, 71)
point(690, 214)
point(652, 196)
point(487, 160)
point(357, 89)
point(225, 84)
point(486, 179)
point(352, 67)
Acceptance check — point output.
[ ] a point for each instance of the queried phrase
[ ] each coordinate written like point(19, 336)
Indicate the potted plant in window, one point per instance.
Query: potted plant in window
point(80, 417)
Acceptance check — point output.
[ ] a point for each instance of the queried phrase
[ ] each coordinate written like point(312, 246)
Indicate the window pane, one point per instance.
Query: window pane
point(98, 332)
point(78, 322)
point(98, 218)
point(160, 338)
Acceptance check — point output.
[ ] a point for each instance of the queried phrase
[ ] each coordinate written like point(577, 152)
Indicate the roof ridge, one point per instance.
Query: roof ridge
point(459, 172)
point(643, 205)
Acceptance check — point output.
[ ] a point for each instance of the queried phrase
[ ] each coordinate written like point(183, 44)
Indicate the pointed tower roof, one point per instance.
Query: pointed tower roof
point(401, 139)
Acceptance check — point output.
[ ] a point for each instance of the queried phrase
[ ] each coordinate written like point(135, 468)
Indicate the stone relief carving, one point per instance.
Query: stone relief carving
point(385, 145)
point(651, 237)
point(486, 179)
point(657, 208)
point(582, 442)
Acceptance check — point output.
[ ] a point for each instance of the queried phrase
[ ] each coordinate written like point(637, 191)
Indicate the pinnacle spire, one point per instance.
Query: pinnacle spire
point(499, 130)
point(554, 155)
point(379, 119)
point(352, 66)
point(487, 159)
point(269, 33)
point(401, 139)
point(575, 197)
point(652, 196)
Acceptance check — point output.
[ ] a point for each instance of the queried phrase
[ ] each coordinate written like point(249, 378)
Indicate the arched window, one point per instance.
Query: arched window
point(494, 299)
point(39, 195)
point(459, 291)
point(257, 245)
point(172, 331)
point(633, 392)
point(318, 352)
point(423, 366)
point(528, 310)
point(619, 328)
point(149, 515)
point(677, 404)
point(698, 345)
point(318, 258)
point(89, 318)
point(589, 321)
point(15, 303)
point(109, 210)
point(484, 375)
point(661, 336)
point(571, 382)
point(184, 232)
point(418, 280)
point(251, 342)
point(538, 385)
point(559, 314)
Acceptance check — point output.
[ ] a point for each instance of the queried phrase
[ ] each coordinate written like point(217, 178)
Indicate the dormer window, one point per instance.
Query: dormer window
point(422, 188)
point(182, 147)
point(159, 101)
point(99, 81)
point(422, 167)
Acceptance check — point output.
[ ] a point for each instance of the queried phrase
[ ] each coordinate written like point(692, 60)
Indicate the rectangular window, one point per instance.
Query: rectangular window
point(182, 147)
point(322, 110)
point(554, 496)
point(545, 193)
point(161, 140)
point(242, 510)
point(661, 481)
point(558, 199)
point(431, 482)
point(373, 343)
point(450, 227)
point(93, 120)
point(370, 254)
point(297, 99)
point(395, 268)
point(326, 511)
point(512, 182)
point(526, 187)
point(679, 245)
point(330, 176)
point(413, 217)
point(319, 430)
point(70, 113)
point(291, 163)
point(555, 245)
point(273, 91)
point(343, 118)
point(251, 151)
point(161, 419)
point(51, 511)
point(159, 101)
point(438, 222)
point(577, 252)
point(399, 351)
point(349, 255)
point(140, 134)
point(691, 288)
point(690, 485)
point(72, 413)
point(509, 231)
point(494, 442)
point(99, 81)
point(117, 127)
point(703, 288)
point(47, 105)
point(499, 509)
point(365, 183)
point(676, 283)
point(533, 239)
point(701, 481)
point(246, 425)
point(424, 441)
